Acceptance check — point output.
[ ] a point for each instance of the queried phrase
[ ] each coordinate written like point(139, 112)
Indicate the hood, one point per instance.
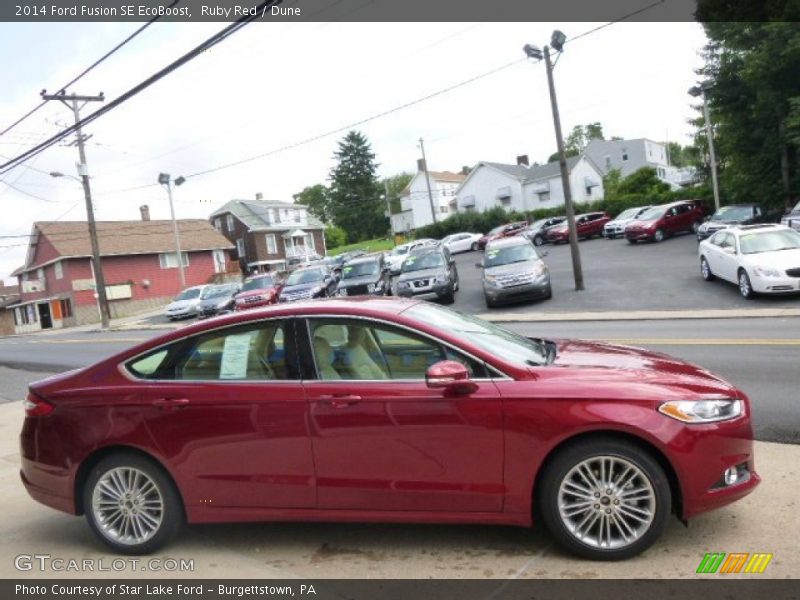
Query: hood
point(518, 267)
point(421, 274)
point(259, 292)
point(217, 300)
point(781, 259)
point(353, 281)
point(634, 370)
point(624, 221)
point(638, 224)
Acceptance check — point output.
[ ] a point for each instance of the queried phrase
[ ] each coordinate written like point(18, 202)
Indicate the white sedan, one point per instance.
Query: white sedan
point(760, 259)
point(461, 242)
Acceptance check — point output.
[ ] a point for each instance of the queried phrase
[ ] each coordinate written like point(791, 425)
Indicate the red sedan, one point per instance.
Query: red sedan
point(373, 409)
point(588, 226)
point(502, 231)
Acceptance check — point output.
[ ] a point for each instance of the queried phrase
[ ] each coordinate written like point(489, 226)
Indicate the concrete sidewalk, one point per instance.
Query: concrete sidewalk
point(765, 521)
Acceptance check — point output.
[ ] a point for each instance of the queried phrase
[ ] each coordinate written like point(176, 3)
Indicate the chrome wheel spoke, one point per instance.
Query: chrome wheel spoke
point(127, 505)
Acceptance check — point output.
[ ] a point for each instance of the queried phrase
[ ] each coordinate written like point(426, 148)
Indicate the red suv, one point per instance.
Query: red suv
point(588, 225)
point(259, 290)
point(502, 231)
point(663, 220)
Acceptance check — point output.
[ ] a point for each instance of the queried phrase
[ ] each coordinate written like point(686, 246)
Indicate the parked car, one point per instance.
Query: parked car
point(616, 226)
point(308, 282)
point(259, 290)
point(185, 304)
point(501, 231)
point(734, 214)
point(335, 263)
point(416, 413)
point(537, 231)
point(395, 257)
point(366, 275)
point(429, 273)
point(760, 259)
point(665, 220)
point(587, 225)
point(217, 299)
point(792, 218)
point(513, 271)
point(299, 262)
point(461, 242)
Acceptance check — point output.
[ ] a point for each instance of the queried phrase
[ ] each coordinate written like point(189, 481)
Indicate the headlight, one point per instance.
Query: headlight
point(767, 272)
point(440, 279)
point(702, 411)
point(402, 284)
point(491, 280)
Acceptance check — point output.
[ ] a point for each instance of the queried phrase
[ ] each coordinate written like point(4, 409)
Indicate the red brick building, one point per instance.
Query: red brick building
point(139, 264)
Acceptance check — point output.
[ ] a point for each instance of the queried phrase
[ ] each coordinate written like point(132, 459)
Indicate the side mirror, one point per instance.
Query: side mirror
point(450, 376)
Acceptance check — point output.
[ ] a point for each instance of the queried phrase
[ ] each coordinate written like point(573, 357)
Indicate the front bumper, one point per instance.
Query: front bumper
point(613, 231)
point(432, 292)
point(534, 290)
point(181, 314)
point(639, 235)
point(555, 238)
point(774, 285)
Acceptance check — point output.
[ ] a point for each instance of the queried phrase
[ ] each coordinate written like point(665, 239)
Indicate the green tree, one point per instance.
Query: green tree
point(354, 199)
point(395, 185)
point(335, 237)
point(579, 138)
point(315, 198)
point(644, 181)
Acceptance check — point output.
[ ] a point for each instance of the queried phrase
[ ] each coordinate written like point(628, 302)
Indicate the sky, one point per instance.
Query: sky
point(272, 85)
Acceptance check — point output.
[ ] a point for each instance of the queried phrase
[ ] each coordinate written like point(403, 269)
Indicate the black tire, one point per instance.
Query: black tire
point(538, 240)
point(549, 293)
point(659, 236)
point(745, 287)
point(474, 246)
point(172, 516)
point(449, 297)
point(630, 241)
point(695, 226)
point(705, 270)
point(558, 470)
point(490, 303)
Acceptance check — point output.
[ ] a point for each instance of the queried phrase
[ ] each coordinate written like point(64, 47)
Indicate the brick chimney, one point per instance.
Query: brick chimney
point(145, 210)
point(522, 159)
point(259, 196)
point(421, 165)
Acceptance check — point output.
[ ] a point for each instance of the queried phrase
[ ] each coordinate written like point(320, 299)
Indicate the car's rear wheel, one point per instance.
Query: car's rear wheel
point(630, 241)
point(131, 504)
point(538, 240)
point(705, 270)
point(474, 246)
point(658, 236)
point(604, 499)
point(695, 226)
point(745, 287)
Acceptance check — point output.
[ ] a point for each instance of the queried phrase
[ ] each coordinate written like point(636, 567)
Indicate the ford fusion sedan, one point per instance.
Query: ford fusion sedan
point(616, 226)
point(259, 290)
point(760, 259)
point(734, 214)
point(308, 282)
point(513, 271)
point(664, 220)
point(367, 275)
point(429, 273)
point(186, 304)
point(381, 409)
point(587, 225)
point(217, 299)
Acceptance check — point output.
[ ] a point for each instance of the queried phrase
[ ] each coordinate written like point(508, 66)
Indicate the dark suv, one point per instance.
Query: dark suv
point(537, 231)
point(366, 275)
point(734, 214)
point(429, 273)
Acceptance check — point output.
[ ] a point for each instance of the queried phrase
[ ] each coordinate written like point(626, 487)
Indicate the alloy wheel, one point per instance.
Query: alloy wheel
point(659, 235)
point(744, 285)
point(127, 505)
point(606, 502)
point(705, 270)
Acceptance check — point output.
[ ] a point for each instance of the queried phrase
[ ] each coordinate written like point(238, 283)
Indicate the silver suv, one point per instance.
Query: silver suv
point(513, 270)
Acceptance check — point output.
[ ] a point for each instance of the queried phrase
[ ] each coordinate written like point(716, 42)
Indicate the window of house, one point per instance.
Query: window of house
point(624, 154)
point(218, 224)
point(240, 247)
point(66, 308)
point(169, 260)
point(544, 196)
point(58, 270)
point(442, 209)
point(40, 274)
point(588, 191)
point(608, 163)
point(272, 244)
point(229, 222)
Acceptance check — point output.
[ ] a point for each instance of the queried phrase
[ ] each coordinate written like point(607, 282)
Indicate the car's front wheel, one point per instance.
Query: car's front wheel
point(658, 236)
point(705, 270)
point(474, 246)
point(538, 240)
point(131, 504)
point(745, 287)
point(604, 498)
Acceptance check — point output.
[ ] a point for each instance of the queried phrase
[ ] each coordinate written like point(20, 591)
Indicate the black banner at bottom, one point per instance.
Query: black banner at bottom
point(385, 589)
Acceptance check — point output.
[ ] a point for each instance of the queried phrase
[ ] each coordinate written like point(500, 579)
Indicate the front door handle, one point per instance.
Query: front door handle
point(340, 400)
point(165, 403)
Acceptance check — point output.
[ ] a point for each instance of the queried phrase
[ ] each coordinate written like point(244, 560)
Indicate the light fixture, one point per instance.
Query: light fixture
point(557, 40)
point(180, 180)
point(163, 178)
point(532, 51)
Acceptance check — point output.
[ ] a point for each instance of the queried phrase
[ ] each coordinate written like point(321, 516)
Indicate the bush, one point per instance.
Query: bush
point(335, 237)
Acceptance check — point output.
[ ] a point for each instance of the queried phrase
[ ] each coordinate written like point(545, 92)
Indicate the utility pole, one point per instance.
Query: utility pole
point(427, 179)
point(577, 269)
point(165, 180)
point(701, 90)
point(72, 102)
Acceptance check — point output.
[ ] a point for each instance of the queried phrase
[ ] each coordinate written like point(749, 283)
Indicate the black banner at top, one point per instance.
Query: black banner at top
point(346, 10)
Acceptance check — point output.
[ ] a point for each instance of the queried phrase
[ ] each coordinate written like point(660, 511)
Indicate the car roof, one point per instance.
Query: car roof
point(516, 240)
point(756, 227)
point(364, 259)
point(425, 250)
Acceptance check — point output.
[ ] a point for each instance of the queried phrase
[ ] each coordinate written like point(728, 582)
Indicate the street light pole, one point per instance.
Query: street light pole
point(557, 40)
point(165, 180)
point(427, 179)
point(701, 91)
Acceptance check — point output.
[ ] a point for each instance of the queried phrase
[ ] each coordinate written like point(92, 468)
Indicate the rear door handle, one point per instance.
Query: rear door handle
point(165, 403)
point(340, 400)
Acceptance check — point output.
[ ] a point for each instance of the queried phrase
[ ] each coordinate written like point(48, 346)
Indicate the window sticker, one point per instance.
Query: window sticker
point(234, 356)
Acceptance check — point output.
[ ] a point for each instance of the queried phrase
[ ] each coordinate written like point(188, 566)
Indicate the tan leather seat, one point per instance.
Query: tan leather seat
point(325, 357)
point(359, 361)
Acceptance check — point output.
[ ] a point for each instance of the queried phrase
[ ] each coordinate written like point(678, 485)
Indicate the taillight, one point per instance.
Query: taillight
point(36, 407)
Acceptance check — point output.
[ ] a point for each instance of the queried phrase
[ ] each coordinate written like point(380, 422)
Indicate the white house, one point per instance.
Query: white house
point(629, 156)
point(523, 188)
point(416, 203)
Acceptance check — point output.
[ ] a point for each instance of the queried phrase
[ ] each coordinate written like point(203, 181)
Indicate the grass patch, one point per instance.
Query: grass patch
point(377, 245)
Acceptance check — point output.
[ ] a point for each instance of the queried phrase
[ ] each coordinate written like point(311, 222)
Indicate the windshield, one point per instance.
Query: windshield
point(538, 224)
point(492, 339)
point(652, 214)
point(732, 213)
point(627, 214)
point(509, 254)
point(362, 269)
point(399, 250)
point(769, 241)
point(305, 276)
point(218, 291)
point(417, 262)
point(189, 294)
point(259, 283)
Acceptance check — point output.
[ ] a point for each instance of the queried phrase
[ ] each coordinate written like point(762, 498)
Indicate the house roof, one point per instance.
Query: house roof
point(253, 212)
point(71, 239)
point(8, 290)
point(442, 176)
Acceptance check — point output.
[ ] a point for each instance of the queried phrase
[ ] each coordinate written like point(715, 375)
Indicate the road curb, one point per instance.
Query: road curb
point(642, 315)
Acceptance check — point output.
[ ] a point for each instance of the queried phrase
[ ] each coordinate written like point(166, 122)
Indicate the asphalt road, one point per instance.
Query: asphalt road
point(758, 355)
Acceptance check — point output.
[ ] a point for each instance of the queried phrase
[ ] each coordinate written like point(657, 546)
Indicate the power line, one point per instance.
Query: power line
point(207, 44)
point(87, 70)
